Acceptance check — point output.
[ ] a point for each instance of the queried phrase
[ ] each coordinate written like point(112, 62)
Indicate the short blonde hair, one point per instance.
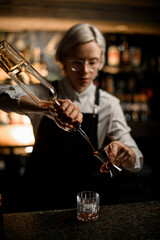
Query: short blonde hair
point(80, 33)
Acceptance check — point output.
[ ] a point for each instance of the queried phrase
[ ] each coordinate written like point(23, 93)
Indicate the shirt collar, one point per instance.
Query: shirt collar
point(72, 94)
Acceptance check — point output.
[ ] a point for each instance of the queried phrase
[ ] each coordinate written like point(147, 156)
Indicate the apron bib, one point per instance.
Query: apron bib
point(62, 164)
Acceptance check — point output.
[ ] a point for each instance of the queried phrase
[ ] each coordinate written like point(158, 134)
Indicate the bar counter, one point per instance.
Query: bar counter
point(122, 221)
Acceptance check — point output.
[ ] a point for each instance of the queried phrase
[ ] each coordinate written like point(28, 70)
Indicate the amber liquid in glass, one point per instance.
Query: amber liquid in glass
point(87, 216)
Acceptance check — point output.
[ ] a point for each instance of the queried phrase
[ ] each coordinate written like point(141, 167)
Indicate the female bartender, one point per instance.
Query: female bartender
point(62, 162)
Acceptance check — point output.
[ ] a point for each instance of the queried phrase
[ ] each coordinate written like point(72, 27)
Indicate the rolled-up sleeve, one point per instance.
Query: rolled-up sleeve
point(9, 98)
point(112, 123)
point(120, 131)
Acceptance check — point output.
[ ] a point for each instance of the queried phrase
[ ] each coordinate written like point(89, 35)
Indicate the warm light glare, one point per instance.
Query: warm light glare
point(16, 135)
point(29, 149)
point(122, 28)
point(22, 134)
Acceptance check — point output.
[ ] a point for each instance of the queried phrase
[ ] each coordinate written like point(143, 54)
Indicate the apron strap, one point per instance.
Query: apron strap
point(96, 103)
point(97, 97)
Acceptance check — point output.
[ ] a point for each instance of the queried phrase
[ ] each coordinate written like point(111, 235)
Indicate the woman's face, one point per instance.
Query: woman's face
point(82, 65)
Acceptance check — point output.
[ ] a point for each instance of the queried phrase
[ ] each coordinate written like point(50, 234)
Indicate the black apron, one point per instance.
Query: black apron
point(62, 164)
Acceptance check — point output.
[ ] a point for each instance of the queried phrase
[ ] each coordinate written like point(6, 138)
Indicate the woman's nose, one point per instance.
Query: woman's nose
point(85, 67)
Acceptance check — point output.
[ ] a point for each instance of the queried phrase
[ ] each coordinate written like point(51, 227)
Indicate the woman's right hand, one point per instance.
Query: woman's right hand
point(66, 114)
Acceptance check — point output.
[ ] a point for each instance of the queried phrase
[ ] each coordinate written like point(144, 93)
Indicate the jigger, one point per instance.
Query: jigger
point(102, 155)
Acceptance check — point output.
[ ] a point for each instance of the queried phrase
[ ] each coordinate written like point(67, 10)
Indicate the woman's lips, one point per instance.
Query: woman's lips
point(84, 79)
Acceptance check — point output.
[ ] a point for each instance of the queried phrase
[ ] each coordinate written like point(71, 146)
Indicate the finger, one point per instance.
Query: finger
point(67, 109)
point(70, 109)
point(121, 154)
point(73, 119)
point(78, 120)
point(70, 113)
point(112, 150)
point(104, 169)
point(74, 113)
point(122, 157)
point(64, 104)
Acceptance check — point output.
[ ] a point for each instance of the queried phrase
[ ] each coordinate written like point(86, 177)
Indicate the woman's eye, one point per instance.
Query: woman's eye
point(78, 63)
point(92, 63)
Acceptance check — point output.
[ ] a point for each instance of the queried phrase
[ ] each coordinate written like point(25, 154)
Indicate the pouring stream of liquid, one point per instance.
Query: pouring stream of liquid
point(79, 129)
point(96, 152)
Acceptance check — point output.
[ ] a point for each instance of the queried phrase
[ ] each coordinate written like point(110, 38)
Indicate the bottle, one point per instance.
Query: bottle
point(113, 55)
point(125, 54)
point(22, 72)
point(135, 52)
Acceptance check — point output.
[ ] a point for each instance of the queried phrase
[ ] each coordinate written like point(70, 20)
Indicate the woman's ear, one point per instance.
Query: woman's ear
point(102, 61)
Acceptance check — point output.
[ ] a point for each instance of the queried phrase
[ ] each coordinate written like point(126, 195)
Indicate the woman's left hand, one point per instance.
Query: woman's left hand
point(120, 155)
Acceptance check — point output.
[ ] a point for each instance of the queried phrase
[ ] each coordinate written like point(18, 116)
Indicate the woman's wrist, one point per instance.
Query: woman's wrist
point(26, 105)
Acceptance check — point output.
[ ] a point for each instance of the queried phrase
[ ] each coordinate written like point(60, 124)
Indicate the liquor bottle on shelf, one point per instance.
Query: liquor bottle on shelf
point(113, 55)
point(135, 52)
point(125, 54)
point(135, 56)
point(136, 108)
point(144, 107)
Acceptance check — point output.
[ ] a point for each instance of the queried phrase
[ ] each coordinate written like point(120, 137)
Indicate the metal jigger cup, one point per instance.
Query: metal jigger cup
point(102, 155)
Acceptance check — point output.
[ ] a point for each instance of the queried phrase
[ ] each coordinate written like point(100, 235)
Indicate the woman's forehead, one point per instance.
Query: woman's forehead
point(87, 50)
